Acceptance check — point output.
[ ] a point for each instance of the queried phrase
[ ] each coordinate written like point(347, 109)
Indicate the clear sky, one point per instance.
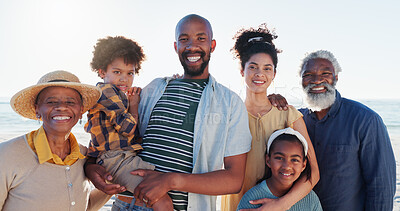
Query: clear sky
point(40, 36)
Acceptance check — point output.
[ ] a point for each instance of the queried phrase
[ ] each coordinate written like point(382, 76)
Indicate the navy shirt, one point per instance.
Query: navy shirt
point(355, 157)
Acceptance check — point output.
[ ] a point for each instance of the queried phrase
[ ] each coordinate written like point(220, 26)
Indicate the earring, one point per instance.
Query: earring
point(80, 121)
point(38, 117)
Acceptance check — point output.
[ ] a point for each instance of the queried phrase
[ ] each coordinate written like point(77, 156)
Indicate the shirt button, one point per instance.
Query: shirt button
point(73, 203)
point(68, 168)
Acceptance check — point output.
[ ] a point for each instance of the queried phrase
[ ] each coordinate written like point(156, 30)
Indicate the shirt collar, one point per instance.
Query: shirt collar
point(40, 145)
point(211, 80)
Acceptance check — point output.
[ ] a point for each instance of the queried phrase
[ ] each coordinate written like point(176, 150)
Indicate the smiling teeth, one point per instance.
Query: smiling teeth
point(318, 88)
point(193, 58)
point(285, 174)
point(258, 82)
point(61, 117)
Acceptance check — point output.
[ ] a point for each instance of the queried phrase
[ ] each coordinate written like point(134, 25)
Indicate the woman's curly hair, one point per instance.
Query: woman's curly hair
point(110, 48)
point(245, 46)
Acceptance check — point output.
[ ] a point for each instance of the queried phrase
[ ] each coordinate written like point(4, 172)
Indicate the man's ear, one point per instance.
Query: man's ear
point(175, 47)
point(213, 45)
point(242, 72)
point(336, 76)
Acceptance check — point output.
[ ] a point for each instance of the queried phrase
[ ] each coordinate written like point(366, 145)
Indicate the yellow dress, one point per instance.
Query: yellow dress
point(261, 127)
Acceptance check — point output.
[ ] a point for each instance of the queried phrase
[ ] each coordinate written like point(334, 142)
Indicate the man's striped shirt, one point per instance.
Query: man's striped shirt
point(168, 140)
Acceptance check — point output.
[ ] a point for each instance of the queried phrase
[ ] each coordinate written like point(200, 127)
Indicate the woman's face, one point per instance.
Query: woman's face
point(258, 72)
point(286, 162)
point(60, 109)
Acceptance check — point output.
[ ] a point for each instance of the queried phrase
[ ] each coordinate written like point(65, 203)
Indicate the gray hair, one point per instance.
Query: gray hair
point(320, 54)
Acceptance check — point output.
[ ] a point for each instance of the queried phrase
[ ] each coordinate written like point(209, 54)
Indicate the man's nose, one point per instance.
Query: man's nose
point(192, 45)
point(316, 79)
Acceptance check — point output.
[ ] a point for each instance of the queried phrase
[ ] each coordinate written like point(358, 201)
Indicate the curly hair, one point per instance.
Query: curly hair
point(110, 48)
point(245, 46)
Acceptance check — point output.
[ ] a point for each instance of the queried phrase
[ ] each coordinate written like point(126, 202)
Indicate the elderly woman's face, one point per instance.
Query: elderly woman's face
point(60, 109)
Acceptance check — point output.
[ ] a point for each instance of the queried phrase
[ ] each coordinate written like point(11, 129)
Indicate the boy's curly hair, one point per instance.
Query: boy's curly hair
point(110, 48)
point(252, 41)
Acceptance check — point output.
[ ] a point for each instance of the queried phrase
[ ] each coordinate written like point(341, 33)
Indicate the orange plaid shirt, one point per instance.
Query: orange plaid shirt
point(109, 122)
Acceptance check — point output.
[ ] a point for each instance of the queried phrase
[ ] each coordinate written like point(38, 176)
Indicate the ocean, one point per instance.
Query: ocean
point(12, 125)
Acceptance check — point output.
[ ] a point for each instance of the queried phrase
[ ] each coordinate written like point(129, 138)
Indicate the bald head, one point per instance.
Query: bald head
point(190, 19)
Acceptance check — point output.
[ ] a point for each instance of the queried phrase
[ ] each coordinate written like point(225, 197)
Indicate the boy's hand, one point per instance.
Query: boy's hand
point(134, 99)
point(134, 96)
point(177, 76)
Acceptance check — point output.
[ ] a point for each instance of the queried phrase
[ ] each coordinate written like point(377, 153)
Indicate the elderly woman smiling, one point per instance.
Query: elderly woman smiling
point(43, 170)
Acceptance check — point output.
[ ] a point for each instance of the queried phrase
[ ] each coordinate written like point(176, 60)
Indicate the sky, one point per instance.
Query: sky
point(41, 36)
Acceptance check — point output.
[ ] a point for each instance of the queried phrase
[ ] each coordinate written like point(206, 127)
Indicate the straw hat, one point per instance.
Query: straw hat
point(24, 101)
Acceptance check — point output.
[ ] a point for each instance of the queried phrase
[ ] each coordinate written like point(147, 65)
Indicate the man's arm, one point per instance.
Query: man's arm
point(278, 101)
point(98, 175)
point(378, 165)
point(225, 181)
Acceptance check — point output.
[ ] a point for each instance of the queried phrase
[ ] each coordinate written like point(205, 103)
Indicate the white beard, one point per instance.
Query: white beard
point(318, 102)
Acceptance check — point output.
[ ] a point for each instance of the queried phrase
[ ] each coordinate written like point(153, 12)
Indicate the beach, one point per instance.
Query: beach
point(12, 125)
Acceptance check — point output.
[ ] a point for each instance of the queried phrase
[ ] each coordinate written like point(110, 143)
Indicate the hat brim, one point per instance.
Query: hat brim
point(23, 102)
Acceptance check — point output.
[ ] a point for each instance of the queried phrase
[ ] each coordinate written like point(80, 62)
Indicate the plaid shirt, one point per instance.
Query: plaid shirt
point(109, 122)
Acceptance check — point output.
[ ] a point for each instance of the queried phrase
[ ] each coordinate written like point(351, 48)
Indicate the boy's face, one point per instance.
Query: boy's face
point(119, 74)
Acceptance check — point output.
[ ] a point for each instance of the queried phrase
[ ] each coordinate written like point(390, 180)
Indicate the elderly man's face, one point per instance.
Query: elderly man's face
point(194, 45)
point(318, 71)
point(319, 82)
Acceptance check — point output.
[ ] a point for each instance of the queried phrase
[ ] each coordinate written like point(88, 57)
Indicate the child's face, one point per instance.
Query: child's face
point(286, 162)
point(119, 74)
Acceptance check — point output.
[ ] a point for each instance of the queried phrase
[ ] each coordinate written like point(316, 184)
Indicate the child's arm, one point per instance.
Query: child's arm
point(134, 99)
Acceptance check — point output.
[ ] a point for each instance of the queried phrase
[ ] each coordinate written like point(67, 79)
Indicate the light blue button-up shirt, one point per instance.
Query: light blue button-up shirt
point(221, 129)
